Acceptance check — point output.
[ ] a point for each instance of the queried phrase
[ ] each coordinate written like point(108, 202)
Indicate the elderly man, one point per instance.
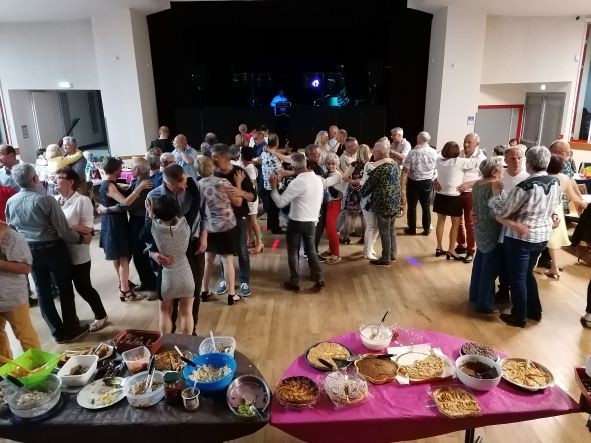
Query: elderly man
point(342, 135)
point(400, 147)
point(333, 131)
point(350, 154)
point(163, 141)
point(221, 156)
point(185, 155)
point(417, 182)
point(312, 153)
point(528, 215)
point(304, 195)
point(191, 206)
point(70, 145)
point(7, 162)
point(466, 243)
point(167, 159)
point(40, 220)
point(382, 187)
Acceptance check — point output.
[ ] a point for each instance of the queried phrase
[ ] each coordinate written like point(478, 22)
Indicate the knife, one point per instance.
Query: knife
point(359, 357)
point(186, 360)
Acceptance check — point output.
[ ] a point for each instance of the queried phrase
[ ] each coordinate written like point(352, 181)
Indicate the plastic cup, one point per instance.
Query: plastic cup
point(191, 399)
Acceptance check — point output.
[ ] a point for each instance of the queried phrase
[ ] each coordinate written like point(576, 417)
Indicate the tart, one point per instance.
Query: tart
point(376, 370)
point(456, 402)
point(428, 367)
point(297, 391)
point(329, 352)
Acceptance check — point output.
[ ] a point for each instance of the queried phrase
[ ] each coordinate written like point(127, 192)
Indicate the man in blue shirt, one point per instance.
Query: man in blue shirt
point(7, 161)
point(185, 155)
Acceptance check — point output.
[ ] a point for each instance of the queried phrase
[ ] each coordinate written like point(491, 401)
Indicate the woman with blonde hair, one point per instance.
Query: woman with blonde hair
point(352, 204)
point(322, 142)
point(332, 180)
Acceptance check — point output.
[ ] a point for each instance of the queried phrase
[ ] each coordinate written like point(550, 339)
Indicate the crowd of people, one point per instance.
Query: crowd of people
point(188, 209)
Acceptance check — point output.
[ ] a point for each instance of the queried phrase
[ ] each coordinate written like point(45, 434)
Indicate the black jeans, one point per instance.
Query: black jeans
point(271, 210)
point(82, 283)
point(296, 233)
point(141, 259)
point(243, 253)
point(51, 261)
point(320, 225)
point(588, 308)
point(387, 236)
point(197, 264)
point(419, 191)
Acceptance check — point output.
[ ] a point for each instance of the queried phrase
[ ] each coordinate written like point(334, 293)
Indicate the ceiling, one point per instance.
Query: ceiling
point(511, 7)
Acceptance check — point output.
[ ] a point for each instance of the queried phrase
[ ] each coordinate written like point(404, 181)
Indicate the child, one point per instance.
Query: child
point(171, 235)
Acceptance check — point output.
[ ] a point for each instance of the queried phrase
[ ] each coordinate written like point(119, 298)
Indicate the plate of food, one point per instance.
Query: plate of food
point(526, 374)
point(455, 402)
point(297, 391)
point(103, 351)
point(421, 366)
point(102, 393)
point(471, 348)
point(334, 355)
point(376, 370)
point(344, 389)
point(171, 361)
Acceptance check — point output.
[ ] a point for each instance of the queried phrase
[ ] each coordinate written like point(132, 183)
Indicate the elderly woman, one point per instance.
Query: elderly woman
point(332, 183)
point(450, 175)
point(528, 212)
point(489, 253)
point(167, 159)
point(80, 215)
point(322, 142)
point(353, 176)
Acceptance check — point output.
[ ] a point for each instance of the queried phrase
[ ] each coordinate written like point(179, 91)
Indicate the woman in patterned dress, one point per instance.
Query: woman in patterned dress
point(353, 176)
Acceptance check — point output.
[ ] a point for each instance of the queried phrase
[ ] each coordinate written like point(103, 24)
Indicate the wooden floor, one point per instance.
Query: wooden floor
point(273, 326)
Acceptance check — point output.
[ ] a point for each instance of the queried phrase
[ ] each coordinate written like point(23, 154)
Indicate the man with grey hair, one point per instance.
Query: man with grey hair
point(400, 147)
point(382, 187)
point(70, 145)
point(40, 220)
point(304, 195)
point(185, 155)
point(417, 182)
point(167, 159)
point(528, 213)
point(7, 162)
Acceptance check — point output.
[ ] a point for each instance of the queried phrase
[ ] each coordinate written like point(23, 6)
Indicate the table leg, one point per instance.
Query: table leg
point(469, 437)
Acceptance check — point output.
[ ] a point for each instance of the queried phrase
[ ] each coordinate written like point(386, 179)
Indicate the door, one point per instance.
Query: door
point(497, 124)
point(543, 118)
point(48, 117)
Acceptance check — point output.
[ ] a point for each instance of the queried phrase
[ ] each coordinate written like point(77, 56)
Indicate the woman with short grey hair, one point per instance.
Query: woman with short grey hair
point(528, 212)
point(486, 233)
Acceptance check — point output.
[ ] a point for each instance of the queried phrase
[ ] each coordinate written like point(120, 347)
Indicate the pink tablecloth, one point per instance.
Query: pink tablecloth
point(398, 412)
point(127, 175)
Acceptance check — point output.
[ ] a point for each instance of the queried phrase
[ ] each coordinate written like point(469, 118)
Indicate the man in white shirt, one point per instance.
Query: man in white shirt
point(304, 195)
point(400, 147)
point(466, 241)
point(333, 130)
point(515, 172)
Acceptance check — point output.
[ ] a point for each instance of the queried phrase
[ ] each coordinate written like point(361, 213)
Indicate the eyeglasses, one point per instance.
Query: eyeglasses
point(62, 177)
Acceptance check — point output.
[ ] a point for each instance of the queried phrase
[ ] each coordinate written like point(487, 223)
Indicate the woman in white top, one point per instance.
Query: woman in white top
point(450, 175)
point(79, 212)
point(322, 142)
point(333, 185)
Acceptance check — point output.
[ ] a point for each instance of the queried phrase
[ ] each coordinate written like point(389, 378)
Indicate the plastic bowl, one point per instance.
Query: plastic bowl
point(226, 345)
point(88, 362)
point(480, 384)
point(32, 359)
point(51, 386)
point(381, 341)
point(217, 360)
point(137, 359)
point(148, 399)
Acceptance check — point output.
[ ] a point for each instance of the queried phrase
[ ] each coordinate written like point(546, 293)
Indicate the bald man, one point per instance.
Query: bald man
point(466, 241)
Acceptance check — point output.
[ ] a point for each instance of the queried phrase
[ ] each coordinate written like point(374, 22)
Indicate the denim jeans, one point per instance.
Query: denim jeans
point(51, 262)
point(387, 236)
point(141, 260)
point(521, 258)
point(485, 269)
point(419, 191)
point(243, 254)
point(503, 270)
point(298, 232)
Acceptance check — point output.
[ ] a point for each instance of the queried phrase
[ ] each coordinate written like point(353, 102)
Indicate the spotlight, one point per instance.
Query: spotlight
point(315, 82)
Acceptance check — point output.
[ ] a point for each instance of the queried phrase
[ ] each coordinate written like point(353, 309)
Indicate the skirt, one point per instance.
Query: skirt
point(559, 236)
point(448, 205)
point(224, 243)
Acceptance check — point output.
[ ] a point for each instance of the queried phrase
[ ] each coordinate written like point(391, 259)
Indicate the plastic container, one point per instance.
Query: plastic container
point(480, 384)
point(217, 360)
point(132, 338)
point(87, 362)
point(226, 345)
point(375, 337)
point(147, 399)
point(32, 359)
point(30, 409)
point(137, 359)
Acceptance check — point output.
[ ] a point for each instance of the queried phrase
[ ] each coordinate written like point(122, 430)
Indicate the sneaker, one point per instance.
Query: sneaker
point(321, 259)
point(333, 260)
point(291, 287)
point(244, 290)
point(381, 262)
point(371, 257)
point(469, 257)
point(98, 324)
point(221, 288)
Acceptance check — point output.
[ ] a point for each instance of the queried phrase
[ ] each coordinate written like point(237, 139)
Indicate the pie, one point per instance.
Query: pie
point(327, 351)
point(429, 367)
point(377, 370)
point(345, 390)
point(479, 349)
point(526, 373)
point(297, 390)
point(456, 402)
point(170, 361)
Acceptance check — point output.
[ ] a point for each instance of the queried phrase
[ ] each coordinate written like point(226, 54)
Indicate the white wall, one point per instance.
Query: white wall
point(22, 115)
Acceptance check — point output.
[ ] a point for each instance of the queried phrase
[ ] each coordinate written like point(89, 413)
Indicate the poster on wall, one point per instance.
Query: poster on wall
point(25, 130)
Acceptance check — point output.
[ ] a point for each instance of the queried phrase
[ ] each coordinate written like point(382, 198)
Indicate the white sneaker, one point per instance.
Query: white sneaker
point(371, 257)
point(98, 324)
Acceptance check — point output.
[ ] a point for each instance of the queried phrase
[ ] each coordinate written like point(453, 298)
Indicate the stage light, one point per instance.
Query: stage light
point(315, 83)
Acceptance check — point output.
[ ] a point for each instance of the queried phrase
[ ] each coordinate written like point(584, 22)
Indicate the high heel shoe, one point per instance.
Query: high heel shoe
point(345, 241)
point(449, 256)
point(439, 252)
point(257, 249)
point(129, 296)
point(233, 298)
point(551, 275)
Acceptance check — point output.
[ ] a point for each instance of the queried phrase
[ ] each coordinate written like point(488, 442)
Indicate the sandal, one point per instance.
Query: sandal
point(257, 249)
point(333, 260)
point(326, 254)
point(551, 275)
point(439, 252)
point(207, 296)
point(233, 298)
point(129, 296)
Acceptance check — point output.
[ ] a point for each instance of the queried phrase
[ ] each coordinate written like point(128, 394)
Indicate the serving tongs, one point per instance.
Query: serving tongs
point(150, 377)
point(185, 359)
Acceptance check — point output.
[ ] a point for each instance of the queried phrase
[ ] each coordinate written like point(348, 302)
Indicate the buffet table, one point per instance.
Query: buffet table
point(212, 422)
point(396, 412)
point(127, 175)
